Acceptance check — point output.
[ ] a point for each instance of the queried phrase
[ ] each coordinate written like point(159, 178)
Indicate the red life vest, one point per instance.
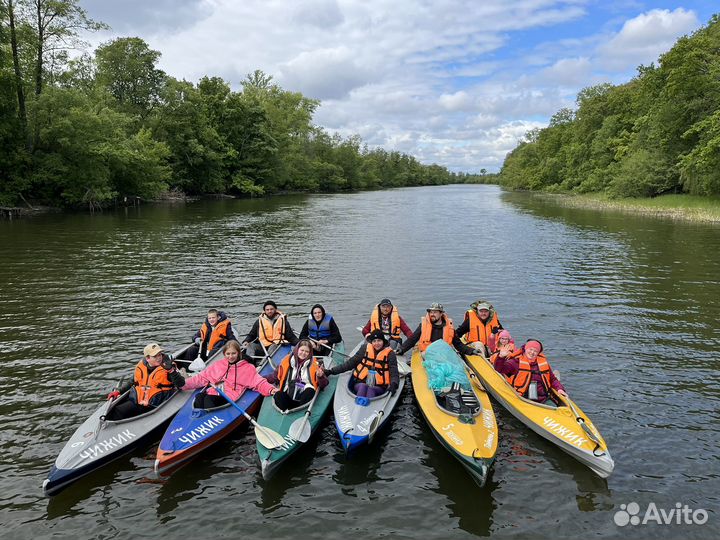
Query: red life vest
point(284, 370)
point(375, 324)
point(271, 332)
point(480, 331)
point(426, 332)
point(521, 380)
point(376, 361)
point(218, 333)
point(150, 383)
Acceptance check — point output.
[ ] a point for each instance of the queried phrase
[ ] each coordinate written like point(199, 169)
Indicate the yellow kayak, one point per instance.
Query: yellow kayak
point(471, 437)
point(564, 425)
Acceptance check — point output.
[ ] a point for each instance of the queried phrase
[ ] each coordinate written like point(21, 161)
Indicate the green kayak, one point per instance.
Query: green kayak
point(281, 421)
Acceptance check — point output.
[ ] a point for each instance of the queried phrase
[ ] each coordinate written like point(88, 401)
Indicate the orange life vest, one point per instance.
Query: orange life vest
point(284, 370)
point(426, 332)
point(269, 332)
point(521, 380)
point(375, 324)
point(480, 331)
point(150, 383)
point(376, 361)
point(218, 333)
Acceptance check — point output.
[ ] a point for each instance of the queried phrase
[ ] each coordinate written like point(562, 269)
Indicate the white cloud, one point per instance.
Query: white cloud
point(441, 80)
point(643, 38)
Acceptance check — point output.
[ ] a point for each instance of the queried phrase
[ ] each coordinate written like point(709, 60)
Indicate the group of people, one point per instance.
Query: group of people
point(302, 373)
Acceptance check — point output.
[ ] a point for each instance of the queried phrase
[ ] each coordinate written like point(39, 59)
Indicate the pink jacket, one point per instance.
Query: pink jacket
point(236, 378)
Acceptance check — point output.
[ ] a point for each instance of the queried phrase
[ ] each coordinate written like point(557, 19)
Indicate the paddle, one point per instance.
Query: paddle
point(267, 437)
point(580, 420)
point(300, 428)
point(331, 347)
point(375, 424)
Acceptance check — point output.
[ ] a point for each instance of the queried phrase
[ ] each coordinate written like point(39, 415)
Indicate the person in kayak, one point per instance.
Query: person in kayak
point(156, 380)
point(298, 377)
point(505, 346)
point(529, 372)
point(214, 333)
point(386, 317)
point(271, 329)
point(235, 374)
point(322, 330)
point(433, 326)
point(375, 367)
point(480, 326)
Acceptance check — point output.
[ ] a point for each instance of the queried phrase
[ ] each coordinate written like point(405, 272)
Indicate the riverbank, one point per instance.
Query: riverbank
point(679, 207)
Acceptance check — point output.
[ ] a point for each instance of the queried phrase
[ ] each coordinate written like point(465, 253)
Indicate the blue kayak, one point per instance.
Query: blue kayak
point(192, 430)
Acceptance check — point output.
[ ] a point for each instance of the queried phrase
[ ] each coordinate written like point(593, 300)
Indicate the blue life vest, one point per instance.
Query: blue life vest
point(322, 331)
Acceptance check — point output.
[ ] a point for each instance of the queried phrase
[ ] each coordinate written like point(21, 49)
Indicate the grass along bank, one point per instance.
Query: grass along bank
point(682, 207)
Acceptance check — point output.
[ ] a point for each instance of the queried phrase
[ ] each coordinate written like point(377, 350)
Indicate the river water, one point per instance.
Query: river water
point(627, 308)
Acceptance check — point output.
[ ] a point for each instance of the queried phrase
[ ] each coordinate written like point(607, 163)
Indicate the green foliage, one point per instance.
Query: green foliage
point(113, 125)
point(659, 133)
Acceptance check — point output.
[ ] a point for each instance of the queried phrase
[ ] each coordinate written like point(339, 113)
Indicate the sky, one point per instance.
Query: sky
point(452, 82)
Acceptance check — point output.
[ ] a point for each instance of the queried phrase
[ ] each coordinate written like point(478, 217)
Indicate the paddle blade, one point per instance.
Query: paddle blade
point(300, 429)
point(268, 438)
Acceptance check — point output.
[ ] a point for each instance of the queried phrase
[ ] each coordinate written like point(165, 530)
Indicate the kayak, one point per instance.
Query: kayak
point(192, 430)
point(564, 425)
point(461, 419)
point(280, 421)
point(358, 419)
point(99, 441)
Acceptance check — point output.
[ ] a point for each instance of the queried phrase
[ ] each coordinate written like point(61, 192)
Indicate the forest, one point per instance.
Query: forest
point(93, 130)
point(657, 134)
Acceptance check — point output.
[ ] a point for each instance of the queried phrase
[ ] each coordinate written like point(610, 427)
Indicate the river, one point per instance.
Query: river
point(627, 308)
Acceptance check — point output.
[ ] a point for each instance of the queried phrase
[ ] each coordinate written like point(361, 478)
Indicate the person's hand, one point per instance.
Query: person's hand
point(320, 370)
point(562, 393)
point(198, 341)
point(274, 391)
point(113, 395)
point(393, 388)
point(167, 362)
point(495, 330)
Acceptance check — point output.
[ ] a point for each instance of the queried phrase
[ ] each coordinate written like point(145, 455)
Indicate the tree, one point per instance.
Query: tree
point(127, 68)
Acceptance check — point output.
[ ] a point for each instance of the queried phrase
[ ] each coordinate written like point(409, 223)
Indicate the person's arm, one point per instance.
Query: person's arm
point(555, 382)
point(461, 347)
point(253, 334)
point(507, 366)
point(463, 329)
point(257, 382)
point(412, 340)
point(305, 333)
point(366, 329)
point(335, 336)
point(348, 365)
point(404, 328)
point(290, 336)
point(394, 375)
point(322, 380)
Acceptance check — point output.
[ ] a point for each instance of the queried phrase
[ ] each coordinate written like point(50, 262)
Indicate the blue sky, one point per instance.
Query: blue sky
point(454, 82)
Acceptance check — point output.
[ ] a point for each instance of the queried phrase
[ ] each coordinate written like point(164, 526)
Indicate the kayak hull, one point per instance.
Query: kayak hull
point(557, 424)
point(355, 418)
point(280, 421)
point(98, 441)
point(473, 444)
point(193, 430)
